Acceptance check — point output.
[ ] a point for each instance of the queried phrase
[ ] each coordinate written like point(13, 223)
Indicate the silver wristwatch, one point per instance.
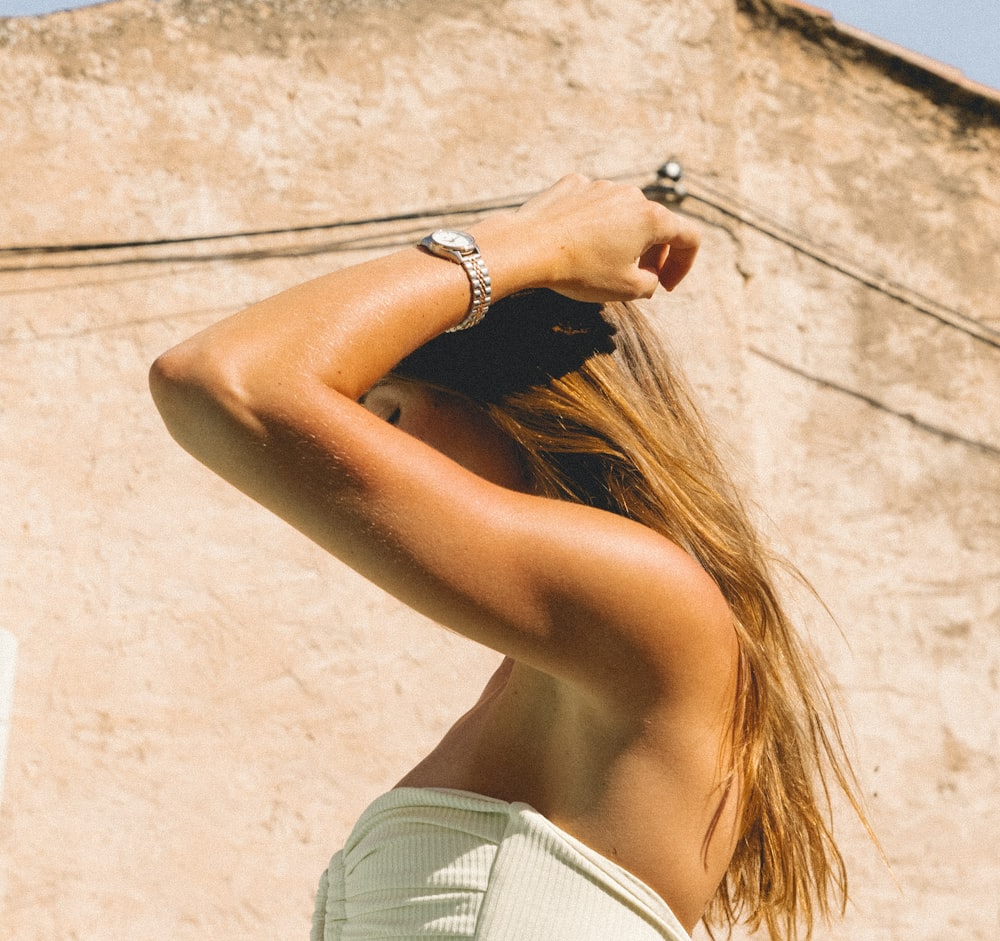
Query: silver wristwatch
point(461, 247)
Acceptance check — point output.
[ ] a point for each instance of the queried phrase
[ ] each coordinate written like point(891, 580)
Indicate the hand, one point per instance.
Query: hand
point(602, 241)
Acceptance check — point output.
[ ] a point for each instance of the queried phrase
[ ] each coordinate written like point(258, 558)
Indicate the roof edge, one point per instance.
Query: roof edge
point(944, 84)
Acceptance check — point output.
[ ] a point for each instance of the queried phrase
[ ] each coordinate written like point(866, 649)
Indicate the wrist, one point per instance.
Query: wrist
point(511, 251)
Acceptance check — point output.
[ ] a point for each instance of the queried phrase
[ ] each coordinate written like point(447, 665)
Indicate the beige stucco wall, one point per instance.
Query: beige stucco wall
point(203, 701)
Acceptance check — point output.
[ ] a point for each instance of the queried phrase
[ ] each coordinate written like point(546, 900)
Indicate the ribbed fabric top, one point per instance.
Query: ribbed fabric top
point(435, 863)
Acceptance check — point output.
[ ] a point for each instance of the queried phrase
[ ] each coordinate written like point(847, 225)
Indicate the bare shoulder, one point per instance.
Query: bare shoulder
point(631, 610)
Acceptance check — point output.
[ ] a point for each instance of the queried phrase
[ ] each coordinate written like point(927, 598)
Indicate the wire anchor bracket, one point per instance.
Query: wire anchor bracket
point(668, 187)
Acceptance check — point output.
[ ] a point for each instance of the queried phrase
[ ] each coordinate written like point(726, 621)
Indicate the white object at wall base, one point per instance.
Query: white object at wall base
point(8, 663)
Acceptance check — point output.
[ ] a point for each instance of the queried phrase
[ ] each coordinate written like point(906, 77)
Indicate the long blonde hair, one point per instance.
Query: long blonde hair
point(615, 427)
point(622, 433)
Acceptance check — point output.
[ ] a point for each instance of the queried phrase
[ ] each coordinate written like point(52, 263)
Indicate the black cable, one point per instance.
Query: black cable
point(255, 233)
point(671, 193)
point(872, 402)
point(364, 243)
point(505, 202)
point(667, 190)
point(674, 193)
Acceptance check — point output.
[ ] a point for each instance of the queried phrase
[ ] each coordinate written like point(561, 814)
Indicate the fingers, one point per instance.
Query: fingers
point(603, 239)
point(673, 254)
point(654, 259)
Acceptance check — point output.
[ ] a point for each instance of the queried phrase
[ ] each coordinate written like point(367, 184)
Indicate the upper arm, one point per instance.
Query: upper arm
point(579, 593)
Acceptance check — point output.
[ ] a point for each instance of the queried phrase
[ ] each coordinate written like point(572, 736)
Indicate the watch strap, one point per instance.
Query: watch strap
point(469, 257)
point(480, 287)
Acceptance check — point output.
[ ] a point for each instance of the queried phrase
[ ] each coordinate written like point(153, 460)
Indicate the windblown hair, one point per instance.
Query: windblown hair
point(620, 432)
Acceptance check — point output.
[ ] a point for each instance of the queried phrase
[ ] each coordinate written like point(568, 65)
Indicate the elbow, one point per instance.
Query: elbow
point(199, 395)
point(177, 367)
point(169, 383)
point(181, 378)
point(168, 377)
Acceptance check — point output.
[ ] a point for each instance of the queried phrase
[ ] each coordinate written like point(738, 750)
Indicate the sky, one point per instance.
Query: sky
point(962, 33)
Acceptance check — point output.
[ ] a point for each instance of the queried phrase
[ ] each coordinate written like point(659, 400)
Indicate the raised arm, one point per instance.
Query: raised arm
point(587, 240)
point(268, 399)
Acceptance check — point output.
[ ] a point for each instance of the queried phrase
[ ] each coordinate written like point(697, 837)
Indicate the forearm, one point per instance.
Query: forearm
point(342, 332)
point(347, 329)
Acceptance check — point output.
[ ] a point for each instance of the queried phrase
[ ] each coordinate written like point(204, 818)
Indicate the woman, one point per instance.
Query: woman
point(652, 748)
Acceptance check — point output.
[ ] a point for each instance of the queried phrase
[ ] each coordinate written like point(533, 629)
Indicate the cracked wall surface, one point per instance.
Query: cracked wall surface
point(203, 701)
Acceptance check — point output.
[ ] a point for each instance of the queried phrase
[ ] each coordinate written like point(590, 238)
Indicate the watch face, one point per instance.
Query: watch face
point(449, 238)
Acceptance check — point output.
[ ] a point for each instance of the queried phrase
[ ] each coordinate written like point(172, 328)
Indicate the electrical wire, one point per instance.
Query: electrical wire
point(877, 404)
point(506, 202)
point(667, 189)
point(675, 193)
point(364, 243)
point(670, 191)
point(459, 210)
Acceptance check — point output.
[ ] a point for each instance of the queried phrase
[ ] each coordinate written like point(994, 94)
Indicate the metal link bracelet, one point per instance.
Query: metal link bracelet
point(462, 248)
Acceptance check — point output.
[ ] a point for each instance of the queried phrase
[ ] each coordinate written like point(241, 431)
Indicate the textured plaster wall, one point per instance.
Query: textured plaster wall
point(878, 440)
point(203, 701)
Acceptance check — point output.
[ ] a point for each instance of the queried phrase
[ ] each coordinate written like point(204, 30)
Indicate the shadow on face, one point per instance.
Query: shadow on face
point(452, 425)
